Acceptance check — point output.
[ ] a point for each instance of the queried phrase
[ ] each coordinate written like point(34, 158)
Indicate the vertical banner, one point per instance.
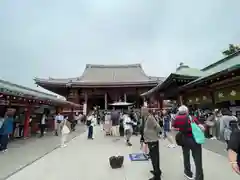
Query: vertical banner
point(85, 109)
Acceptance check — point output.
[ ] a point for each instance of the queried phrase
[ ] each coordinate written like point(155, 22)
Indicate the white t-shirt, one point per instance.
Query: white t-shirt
point(92, 119)
point(126, 120)
point(59, 117)
point(43, 120)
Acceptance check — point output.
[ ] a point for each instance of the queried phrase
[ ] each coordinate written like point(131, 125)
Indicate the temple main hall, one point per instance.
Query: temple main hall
point(100, 85)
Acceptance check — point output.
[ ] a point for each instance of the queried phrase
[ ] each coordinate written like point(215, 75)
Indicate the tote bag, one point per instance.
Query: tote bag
point(198, 134)
point(65, 129)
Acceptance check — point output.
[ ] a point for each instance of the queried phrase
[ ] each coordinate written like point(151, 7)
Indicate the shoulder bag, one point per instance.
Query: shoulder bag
point(65, 129)
point(197, 132)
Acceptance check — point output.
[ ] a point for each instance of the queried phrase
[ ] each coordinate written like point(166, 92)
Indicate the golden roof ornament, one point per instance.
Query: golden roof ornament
point(220, 95)
point(233, 93)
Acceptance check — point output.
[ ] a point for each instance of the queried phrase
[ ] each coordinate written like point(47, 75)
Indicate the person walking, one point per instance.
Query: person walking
point(6, 129)
point(167, 128)
point(151, 137)
point(64, 132)
point(90, 124)
point(186, 140)
point(128, 124)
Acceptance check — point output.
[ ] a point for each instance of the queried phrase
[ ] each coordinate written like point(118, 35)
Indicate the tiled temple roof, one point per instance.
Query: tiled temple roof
point(106, 74)
point(12, 89)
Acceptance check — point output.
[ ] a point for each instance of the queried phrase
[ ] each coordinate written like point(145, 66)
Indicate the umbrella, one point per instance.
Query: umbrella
point(121, 104)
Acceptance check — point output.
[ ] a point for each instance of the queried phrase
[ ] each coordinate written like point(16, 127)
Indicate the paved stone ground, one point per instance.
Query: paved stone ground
point(21, 153)
point(88, 159)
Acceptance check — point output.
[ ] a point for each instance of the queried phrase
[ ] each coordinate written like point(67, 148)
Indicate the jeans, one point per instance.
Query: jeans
point(196, 149)
point(154, 156)
point(90, 132)
point(42, 129)
point(3, 142)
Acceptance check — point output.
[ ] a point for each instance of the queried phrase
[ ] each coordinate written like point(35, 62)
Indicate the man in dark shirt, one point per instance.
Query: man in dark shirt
point(115, 118)
point(234, 151)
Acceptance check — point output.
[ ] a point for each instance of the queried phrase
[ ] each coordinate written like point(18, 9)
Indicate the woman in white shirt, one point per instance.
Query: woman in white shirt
point(64, 132)
point(90, 123)
point(128, 128)
point(59, 119)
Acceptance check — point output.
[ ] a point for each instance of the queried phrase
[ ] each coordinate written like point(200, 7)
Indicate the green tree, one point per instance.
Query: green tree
point(231, 50)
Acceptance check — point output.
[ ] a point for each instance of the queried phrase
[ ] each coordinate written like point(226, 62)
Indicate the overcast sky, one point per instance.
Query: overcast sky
point(56, 38)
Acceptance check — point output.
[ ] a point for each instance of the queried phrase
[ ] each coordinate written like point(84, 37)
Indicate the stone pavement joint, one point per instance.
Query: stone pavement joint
point(88, 159)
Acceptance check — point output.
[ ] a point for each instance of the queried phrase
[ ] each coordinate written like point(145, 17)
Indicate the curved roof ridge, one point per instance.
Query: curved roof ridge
point(113, 66)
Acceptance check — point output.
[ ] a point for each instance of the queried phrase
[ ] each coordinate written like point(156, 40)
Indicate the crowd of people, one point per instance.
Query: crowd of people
point(63, 126)
point(192, 126)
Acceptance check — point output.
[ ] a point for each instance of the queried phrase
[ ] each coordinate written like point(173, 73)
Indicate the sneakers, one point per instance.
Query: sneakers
point(190, 177)
point(171, 146)
point(4, 151)
point(213, 138)
point(63, 146)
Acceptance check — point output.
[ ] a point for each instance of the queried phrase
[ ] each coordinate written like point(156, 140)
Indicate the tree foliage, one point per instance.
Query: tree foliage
point(231, 50)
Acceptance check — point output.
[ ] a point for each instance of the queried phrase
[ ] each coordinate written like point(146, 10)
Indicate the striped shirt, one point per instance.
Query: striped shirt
point(183, 123)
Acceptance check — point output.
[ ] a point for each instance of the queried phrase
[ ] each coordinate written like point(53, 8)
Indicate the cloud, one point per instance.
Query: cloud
point(57, 38)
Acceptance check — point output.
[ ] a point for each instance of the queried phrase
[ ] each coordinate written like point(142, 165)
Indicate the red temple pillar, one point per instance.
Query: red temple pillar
point(26, 122)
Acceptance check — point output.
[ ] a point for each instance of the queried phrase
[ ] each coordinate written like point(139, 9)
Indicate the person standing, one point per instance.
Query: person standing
point(186, 140)
point(90, 124)
point(234, 150)
point(115, 118)
point(59, 119)
point(6, 129)
point(151, 136)
point(64, 132)
point(167, 128)
point(225, 128)
point(43, 123)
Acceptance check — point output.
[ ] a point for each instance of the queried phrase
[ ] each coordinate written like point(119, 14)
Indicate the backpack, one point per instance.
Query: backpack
point(198, 134)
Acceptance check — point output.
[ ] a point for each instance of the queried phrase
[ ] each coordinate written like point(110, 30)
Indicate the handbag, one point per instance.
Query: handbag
point(65, 129)
point(197, 132)
point(116, 161)
point(179, 138)
point(89, 122)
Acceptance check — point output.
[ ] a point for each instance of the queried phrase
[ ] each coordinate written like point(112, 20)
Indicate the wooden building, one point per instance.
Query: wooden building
point(217, 85)
point(16, 96)
point(103, 84)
